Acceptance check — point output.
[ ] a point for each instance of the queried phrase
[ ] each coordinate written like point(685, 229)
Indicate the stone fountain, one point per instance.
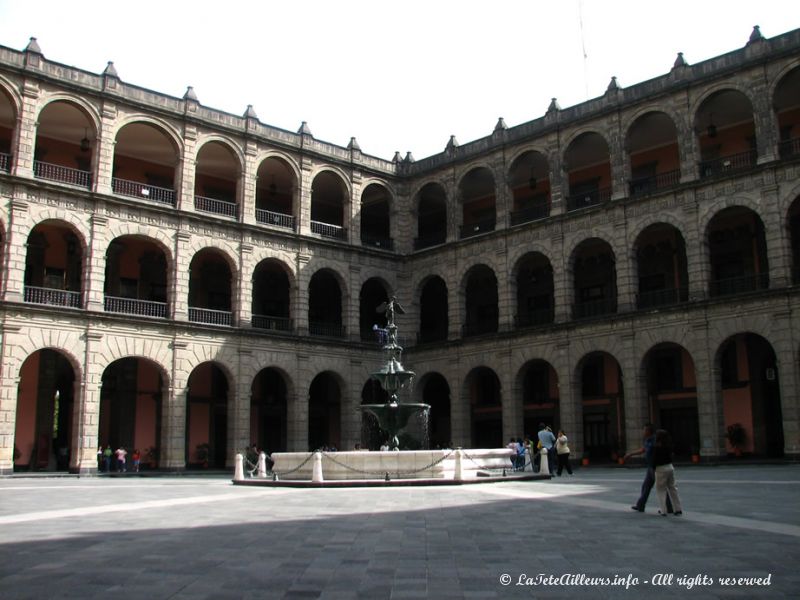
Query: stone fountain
point(393, 415)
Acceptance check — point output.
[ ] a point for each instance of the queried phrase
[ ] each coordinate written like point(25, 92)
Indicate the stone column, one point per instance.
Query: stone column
point(243, 293)
point(455, 304)
point(104, 149)
point(86, 411)
point(506, 306)
point(173, 412)
point(185, 170)
point(9, 390)
point(300, 296)
point(511, 398)
point(351, 298)
point(711, 420)
point(297, 408)
point(303, 214)
point(15, 252)
point(350, 413)
point(779, 249)
point(625, 266)
point(570, 408)
point(247, 184)
point(697, 260)
point(352, 213)
point(179, 305)
point(26, 130)
point(634, 386)
point(785, 346)
point(239, 407)
point(95, 276)
point(562, 279)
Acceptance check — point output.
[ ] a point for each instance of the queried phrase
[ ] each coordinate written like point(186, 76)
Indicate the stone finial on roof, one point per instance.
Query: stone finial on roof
point(397, 158)
point(190, 94)
point(409, 157)
point(680, 61)
point(250, 112)
point(501, 125)
point(110, 70)
point(554, 106)
point(353, 145)
point(756, 35)
point(613, 85)
point(305, 129)
point(33, 46)
point(452, 144)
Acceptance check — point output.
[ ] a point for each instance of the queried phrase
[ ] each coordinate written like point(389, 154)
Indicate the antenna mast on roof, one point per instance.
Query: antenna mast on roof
point(583, 47)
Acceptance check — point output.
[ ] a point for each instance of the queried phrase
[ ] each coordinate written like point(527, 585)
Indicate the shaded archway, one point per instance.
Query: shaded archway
point(661, 267)
point(529, 181)
point(433, 312)
point(54, 265)
point(271, 296)
point(431, 216)
point(793, 225)
point(372, 436)
point(324, 412)
point(436, 392)
point(216, 179)
point(43, 432)
point(136, 277)
point(207, 417)
point(275, 193)
point(8, 121)
point(64, 144)
point(726, 133)
point(600, 380)
point(486, 408)
point(210, 288)
point(268, 411)
point(786, 103)
point(325, 305)
point(373, 294)
point(480, 301)
point(652, 145)
point(595, 279)
point(328, 204)
point(130, 408)
point(538, 383)
point(375, 217)
point(145, 162)
point(751, 393)
point(672, 396)
point(477, 194)
point(737, 250)
point(588, 164)
point(535, 297)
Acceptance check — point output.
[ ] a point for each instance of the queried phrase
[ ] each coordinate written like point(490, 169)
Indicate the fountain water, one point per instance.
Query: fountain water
point(393, 415)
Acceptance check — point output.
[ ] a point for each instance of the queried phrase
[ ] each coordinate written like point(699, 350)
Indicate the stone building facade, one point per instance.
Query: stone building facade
point(188, 282)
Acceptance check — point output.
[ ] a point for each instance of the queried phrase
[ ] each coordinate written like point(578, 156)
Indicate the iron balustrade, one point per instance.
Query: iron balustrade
point(665, 297)
point(217, 207)
point(591, 198)
point(336, 330)
point(132, 306)
point(212, 317)
point(270, 323)
point(789, 148)
point(532, 318)
point(429, 241)
point(728, 164)
point(269, 217)
point(5, 162)
point(377, 242)
point(52, 296)
point(477, 228)
point(531, 213)
point(51, 172)
point(328, 230)
point(137, 189)
point(594, 308)
point(647, 185)
point(740, 285)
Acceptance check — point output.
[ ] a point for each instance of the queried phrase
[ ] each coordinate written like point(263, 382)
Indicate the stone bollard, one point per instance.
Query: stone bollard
point(544, 467)
point(458, 472)
point(238, 473)
point(262, 465)
point(316, 473)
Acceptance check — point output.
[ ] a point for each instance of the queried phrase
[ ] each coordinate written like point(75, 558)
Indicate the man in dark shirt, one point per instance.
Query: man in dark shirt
point(648, 442)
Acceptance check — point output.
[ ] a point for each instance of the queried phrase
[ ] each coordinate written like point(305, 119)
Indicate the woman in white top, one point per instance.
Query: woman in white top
point(562, 450)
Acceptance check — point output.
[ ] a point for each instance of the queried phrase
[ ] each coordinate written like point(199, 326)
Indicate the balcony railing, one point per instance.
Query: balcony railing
point(5, 162)
point(590, 198)
point(212, 317)
point(269, 323)
point(217, 207)
point(376, 241)
point(335, 330)
point(428, 337)
point(740, 285)
point(477, 228)
point(660, 181)
point(531, 213)
point(273, 218)
point(594, 308)
point(665, 297)
point(532, 318)
point(428, 241)
point(137, 189)
point(40, 295)
point(51, 172)
point(479, 328)
point(728, 164)
point(789, 148)
point(131, 306)
point(328, 230)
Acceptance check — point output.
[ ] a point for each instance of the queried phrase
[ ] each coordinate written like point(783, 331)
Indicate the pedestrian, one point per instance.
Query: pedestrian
point(121, 454)
point(512, 445)
point(520, 454)
point(107, 454)
point(548, 441)
point(100, 458)
point(137, 458)
point(648, 442)
point(665, 474)
point(562, 451)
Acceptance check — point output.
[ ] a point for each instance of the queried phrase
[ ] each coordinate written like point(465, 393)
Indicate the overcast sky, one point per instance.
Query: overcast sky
point(397, 76)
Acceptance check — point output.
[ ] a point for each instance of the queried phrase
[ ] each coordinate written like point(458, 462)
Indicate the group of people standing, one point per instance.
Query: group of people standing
point(557, 451)
point(107, 456)
point(657, 451)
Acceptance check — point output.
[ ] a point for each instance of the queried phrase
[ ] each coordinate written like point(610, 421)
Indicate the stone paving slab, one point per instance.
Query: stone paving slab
point(205, 539)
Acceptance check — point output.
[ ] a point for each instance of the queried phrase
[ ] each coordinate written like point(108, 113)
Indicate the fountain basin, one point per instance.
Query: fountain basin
point(407, 464)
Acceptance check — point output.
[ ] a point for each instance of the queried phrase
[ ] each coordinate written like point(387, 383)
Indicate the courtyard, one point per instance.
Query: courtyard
point(201, 538)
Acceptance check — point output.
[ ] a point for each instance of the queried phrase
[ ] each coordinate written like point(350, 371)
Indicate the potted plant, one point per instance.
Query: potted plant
point(737, 436)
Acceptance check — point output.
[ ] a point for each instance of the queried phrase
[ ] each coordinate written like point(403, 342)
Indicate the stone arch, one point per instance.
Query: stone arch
point(287, 159)
point(229, 143)
point(157, 235)
point(153, 350)
point(168, 129)
point(339, 173)
point(89, 110)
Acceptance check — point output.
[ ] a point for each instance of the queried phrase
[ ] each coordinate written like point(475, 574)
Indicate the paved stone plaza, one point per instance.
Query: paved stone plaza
point(202, 538)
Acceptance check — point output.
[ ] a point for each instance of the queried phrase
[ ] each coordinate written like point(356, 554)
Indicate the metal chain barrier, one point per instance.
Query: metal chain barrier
point(297, 468)
point(494, 467)
point(384, 471)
